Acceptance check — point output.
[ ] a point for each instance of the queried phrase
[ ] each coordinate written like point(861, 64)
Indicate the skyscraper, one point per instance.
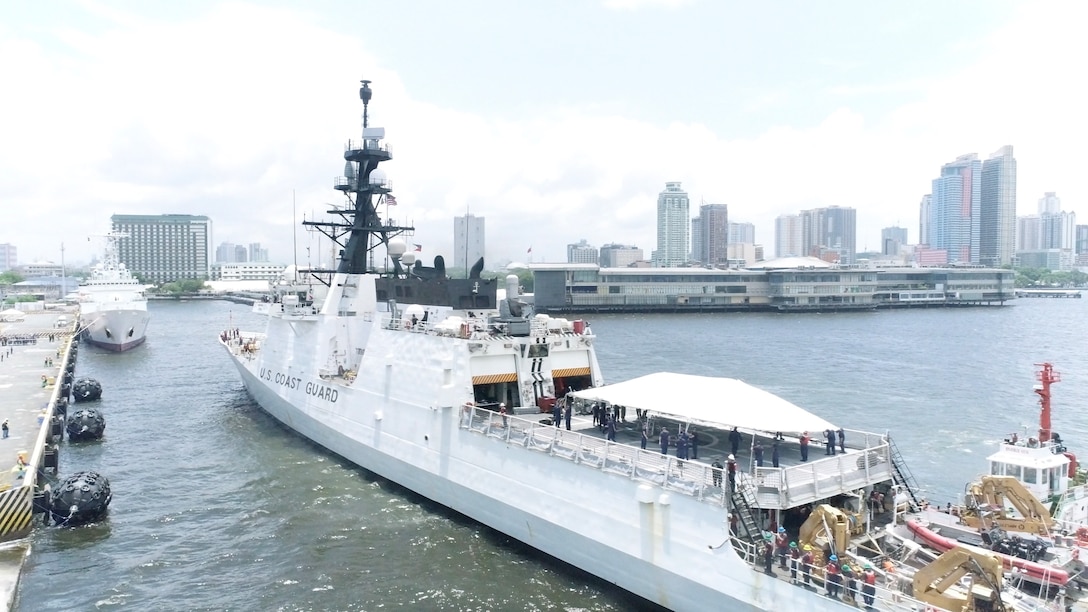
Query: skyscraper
point(830, 234)
point(8, 257)
point(256, 253)
point(742, 233)
point(1050, 203)
point(713, 235)
point(468, 241)
point(672, 227)
point(954, 214)
point(891, 239)
point(697, 239)
point(787, 236)
point(925, 217)
point(997, 209)
point(165, 248)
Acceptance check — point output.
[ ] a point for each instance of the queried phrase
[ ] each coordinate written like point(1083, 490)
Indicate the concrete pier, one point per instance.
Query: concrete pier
point(33, 353)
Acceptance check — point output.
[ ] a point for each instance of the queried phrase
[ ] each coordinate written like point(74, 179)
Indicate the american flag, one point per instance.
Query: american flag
point(390, 199)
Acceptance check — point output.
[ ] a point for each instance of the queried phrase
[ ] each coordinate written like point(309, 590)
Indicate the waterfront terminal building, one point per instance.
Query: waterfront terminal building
point(786, 284)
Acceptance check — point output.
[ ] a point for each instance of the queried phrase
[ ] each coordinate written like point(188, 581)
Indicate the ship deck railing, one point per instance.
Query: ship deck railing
point(783, 487)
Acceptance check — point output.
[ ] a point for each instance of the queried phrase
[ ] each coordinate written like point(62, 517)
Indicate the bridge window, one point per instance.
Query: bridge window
point(1012, 470)
point(995, 469)
point(1029, 475)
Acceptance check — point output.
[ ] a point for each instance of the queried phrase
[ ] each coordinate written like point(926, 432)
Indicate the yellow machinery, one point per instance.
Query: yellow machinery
point(938, 583)
point(987, 501)
point(830, 526)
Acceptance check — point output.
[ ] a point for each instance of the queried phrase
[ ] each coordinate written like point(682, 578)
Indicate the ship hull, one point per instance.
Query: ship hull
point(115, 330)
point(659, 550)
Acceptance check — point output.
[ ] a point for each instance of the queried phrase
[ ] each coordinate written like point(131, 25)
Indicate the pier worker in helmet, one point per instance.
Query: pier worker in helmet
point(868, 587)
point(732, 471)
point(804, 445)
point(807, 559)
point(768, 554)
point(795, 560)
point(664, 440)
point(830, 435)
point(842, 440)
point(832, 577)
point(734, 441)
point(781, 546)
point(502, 412)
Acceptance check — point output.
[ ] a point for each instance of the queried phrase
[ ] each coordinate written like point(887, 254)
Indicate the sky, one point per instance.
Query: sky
point(555, 121)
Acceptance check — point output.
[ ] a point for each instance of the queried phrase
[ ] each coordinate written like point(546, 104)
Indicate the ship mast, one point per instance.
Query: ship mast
point(1045, 376)
point(360, 220)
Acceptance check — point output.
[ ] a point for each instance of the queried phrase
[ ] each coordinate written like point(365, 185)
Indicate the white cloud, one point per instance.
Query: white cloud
point(229, 113)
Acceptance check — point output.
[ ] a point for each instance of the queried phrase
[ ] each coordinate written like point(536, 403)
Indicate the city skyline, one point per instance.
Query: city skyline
point(845, 109)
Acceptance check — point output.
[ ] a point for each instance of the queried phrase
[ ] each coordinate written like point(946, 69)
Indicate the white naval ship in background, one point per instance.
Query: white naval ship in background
point(405, 372)
point(112, 304)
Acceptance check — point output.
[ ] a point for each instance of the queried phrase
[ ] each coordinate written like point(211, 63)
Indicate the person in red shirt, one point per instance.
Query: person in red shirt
point(832, 578)
point(868, 588)
point(804, 445)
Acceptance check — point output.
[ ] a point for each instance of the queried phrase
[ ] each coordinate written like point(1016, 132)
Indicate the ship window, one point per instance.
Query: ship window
point(1029, 475)
point(1043, 476)
point(1012, 470)
point(995, 469)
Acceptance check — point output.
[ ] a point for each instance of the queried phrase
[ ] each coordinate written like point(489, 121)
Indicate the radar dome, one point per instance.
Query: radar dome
point(377, 176)
point(408, 259)
point(397, 248)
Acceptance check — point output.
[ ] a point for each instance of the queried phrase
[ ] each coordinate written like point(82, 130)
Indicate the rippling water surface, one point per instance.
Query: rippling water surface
point(217, 508)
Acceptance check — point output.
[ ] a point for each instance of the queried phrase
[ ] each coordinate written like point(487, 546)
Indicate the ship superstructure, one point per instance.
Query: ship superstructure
point(112, 304)
point(448, 387)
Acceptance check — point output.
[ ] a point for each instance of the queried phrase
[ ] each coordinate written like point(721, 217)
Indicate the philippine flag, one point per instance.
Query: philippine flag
point(418, 247)
point(530, 250)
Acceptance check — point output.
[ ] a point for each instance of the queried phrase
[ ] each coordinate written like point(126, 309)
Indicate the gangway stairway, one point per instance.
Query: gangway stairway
point(743, 502)
point(902, 475)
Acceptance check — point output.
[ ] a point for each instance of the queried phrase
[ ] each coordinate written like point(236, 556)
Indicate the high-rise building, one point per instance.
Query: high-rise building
point(227, 252)
point(673, 222)
point(925, 216)
point(1082, 239)
point(1050, 203)
point(830, 234)
point(165, 248)
point(256, 253)
point(582, 252)
point(697, 240)
point(620, 255)
point(1052, 228)
point(468, 241)
point(787, 236)
point(892, 239)
point(997, 209)
point(741, 233)
point(8, 257)
point(713, 235)
point(954, 214)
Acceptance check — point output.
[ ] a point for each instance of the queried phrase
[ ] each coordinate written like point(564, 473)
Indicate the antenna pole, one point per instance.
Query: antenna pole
point(294, 233)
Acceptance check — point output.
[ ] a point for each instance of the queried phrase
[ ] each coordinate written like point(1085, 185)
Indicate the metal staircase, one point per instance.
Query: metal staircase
point(742, 501)
point(902, 476)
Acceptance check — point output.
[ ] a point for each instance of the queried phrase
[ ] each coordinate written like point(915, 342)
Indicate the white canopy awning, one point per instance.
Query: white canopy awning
point(709, 401)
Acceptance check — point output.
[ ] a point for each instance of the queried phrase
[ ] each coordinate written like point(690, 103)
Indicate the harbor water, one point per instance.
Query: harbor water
point(216, 507)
